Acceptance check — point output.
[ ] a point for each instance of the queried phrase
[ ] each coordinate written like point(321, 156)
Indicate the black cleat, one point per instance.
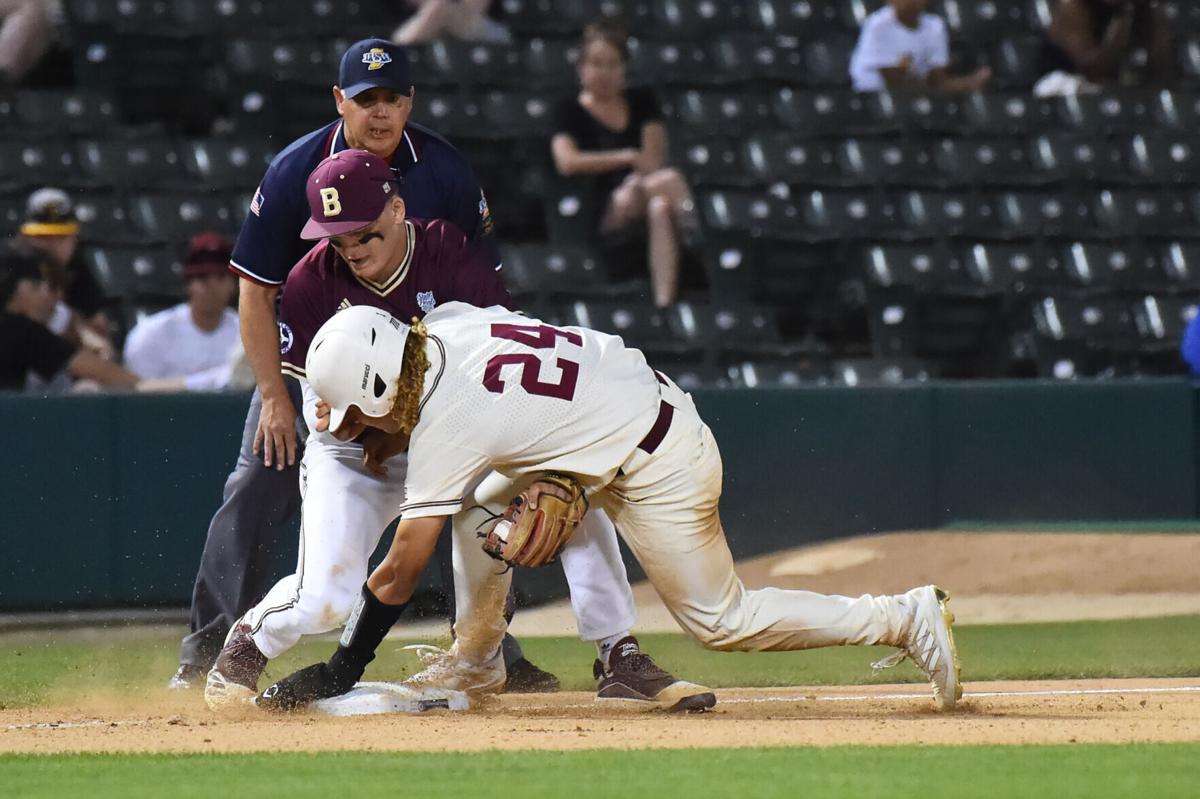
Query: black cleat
point(526, 678)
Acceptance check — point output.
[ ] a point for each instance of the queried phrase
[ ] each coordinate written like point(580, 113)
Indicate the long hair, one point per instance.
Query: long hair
point(407, 405)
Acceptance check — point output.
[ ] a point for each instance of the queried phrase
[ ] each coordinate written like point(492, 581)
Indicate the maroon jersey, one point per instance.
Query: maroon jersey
point(441, 265)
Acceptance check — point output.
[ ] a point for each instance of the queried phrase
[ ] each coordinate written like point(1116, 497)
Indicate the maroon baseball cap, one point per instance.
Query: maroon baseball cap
point(207, 253)
point(347, 191)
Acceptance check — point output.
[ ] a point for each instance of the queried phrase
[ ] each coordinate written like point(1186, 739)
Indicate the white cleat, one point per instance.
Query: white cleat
point(445, 670)
point(930, 644)
point(222, 694)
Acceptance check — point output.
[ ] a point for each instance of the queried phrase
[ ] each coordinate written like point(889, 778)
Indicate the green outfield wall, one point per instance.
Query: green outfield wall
point(106, 499)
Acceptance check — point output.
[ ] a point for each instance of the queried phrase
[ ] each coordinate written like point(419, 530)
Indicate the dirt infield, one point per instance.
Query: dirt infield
point(1087, 711)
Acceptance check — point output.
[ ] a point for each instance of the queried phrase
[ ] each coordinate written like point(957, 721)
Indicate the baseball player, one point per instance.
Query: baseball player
point(374, 98)
point(471, 390)
point(373, 255)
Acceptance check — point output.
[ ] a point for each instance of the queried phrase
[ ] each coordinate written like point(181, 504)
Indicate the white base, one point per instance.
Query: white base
point(373, 698)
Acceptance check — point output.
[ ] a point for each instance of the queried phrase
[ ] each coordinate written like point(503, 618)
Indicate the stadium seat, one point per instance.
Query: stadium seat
point(1110, 112)
point(265, 59)
point(733, 331)
point(928, 267)
point(1180, 264)
point(714, 161)
point(135, 273)
point(873, 162)
point(983, 20)
point(880, 371)
point(781, 375)
point(740, 210)
point(742, 57)
point(453, 114)
point(799, 18)
point(1077, 157)
point(560, 271)
point(822, 113)
point(228, 163)
point(511, 114)
point(640, 325)
point(88, 113)
point(827, 61)
point(672, 63)
point(1164, 158)
point(946, 213)
point(174, 217)
point(1097, 320)
point(1024, 214)
point(1015, 62)
point(1015, 267)
point(549, 64)
point(1178, 110)
point(733, 113)
point(1162, 319)
point(1106, 266)
point(689, 376)
point(688, 20)
point(1189, 58)
point(915, 111)
point(1138, 212)
point(841, 214)
point(472, 64)
point(38, 162)
point(999, 114)
point(988, 162)
point(142, 162)
point(777, 156)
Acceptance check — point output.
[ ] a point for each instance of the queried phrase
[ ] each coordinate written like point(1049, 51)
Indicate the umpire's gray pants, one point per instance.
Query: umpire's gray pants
point(235, 569)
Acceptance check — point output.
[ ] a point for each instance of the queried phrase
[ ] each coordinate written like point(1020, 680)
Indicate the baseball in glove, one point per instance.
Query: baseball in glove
point(537, 524)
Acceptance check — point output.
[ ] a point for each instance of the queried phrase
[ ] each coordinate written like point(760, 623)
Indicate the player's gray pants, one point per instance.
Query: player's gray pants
point(234, 572)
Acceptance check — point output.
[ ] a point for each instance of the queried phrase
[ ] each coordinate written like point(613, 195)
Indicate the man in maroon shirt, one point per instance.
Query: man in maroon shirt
point(371, 254)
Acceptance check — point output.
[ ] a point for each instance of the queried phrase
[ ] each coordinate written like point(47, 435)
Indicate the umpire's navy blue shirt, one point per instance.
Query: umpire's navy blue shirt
point(436, 182)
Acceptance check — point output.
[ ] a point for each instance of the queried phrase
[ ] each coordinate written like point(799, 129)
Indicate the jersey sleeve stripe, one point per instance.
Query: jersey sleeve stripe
point(246, 273)
point(292, 370)
point(452, 503)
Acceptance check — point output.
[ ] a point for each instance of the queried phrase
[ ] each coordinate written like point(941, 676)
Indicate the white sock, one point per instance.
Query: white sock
point(605, 646)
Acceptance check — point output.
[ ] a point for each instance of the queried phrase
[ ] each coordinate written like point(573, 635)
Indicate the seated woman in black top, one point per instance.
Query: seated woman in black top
point(618, 137)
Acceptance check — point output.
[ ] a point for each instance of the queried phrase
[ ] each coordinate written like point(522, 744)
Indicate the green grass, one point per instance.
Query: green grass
point(35, 667)
point(1059, 772)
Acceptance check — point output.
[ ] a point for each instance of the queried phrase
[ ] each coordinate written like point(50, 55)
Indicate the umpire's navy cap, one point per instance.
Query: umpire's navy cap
point(373, 63)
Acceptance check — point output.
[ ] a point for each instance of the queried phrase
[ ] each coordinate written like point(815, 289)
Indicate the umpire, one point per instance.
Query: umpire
point(374, 98)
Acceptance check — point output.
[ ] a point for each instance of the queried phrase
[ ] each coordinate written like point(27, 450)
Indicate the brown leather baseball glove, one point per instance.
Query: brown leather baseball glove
point(537, 524)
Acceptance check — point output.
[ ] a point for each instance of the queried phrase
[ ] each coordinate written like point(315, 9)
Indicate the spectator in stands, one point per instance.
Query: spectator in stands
point(1189, 347)
point(26, 345)
point(616, 137)
point(1089, 43)
point(902, 47)
point(51, 230)
point(26, 33)
point(192, 346)
point(468, 20)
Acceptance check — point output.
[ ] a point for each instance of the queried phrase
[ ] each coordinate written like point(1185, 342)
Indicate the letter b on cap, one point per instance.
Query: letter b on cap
point(331, 202)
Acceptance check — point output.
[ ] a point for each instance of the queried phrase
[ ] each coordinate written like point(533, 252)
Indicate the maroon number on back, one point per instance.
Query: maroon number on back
point(538, 337)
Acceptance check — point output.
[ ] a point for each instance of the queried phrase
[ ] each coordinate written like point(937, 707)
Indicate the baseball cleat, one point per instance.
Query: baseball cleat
point(186, 677)
point(446, 670)
point(633, 678)
point(526, 678)
point(233, 679)
point(929, 642)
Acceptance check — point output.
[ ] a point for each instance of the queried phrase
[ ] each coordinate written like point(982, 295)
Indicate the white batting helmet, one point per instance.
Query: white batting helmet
point(355, 359)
